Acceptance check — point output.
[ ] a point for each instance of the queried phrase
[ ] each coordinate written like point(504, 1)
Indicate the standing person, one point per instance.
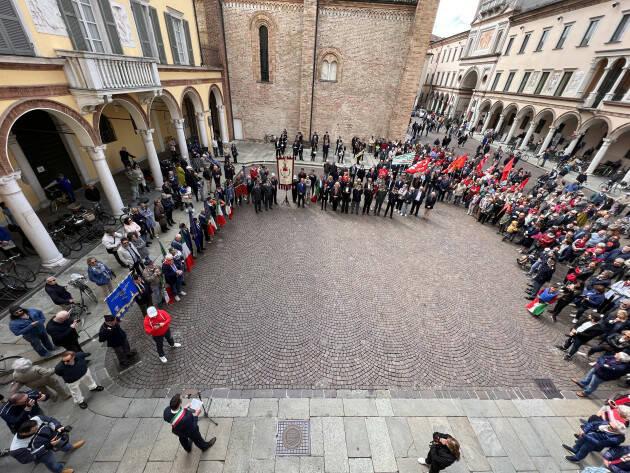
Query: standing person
point(25, 373)
point(184, 424)
point(257, 197)
point(145, 212)
point(417, 198)
point(268, 190)
point(368, 191)
point(234, 152)
point(116, 338)
point(381, 192)
point(443, 452)
point(58, 294)
point(66, 187)
point(20, 407)
point(301, 190)
point(100, 275)
point(73, 369)
point(126, 157)
point(392, 199)
point(173, 276)
point(429, 204)
point(156, 324)
point(92, 194)
point(357, 192)
point(62, 331)
point(335, 195)
point(30, 323)
point(325, 146)
point(152, 276)
point(130, 256)
point(37, 438)
point(144, 298)
point(111, 241)
point(134, 183)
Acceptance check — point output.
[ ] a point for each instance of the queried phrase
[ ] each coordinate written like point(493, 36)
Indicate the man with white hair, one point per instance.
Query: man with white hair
point(25, 373)
point(173, 276)
point(607, 368)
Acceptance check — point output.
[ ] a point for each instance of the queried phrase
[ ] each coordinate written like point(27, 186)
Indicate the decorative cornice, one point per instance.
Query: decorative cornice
point(19, 92)
point(254, 5)
point(552, 10)
point(359, 12)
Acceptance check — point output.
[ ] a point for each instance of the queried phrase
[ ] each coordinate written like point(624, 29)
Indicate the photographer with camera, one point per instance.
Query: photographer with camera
point(36, 440)
point(184, 424)
point(21, 407)
point(443, 452)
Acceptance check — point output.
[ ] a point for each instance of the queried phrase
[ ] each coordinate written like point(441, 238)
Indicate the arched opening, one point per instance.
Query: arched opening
point(470, 80)
point(263, 39)
point(482, 114)
point(495, 114)
point(162, 112)
point(190, 119)
point(566, 126)
point(125, 120)
point(597, 75)
point(592, 137)
point(543, 122)
point(509, 114)
point(217, 112)
point(618, 154)
point(608, 82)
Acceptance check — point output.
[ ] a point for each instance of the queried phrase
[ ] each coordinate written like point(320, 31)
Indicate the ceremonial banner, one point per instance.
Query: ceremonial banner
point(285, 171)
point(404, 159)
point(122, 298)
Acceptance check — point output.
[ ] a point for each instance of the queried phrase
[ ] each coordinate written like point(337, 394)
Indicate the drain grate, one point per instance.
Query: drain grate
point(293, 437)
point(548, 388)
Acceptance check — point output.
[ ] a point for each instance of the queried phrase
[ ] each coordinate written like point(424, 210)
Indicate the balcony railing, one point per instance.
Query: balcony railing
point(488, 6)
point(94, 77)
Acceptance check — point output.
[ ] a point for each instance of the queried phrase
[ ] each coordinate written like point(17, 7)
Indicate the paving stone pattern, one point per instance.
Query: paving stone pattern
point(306, 299)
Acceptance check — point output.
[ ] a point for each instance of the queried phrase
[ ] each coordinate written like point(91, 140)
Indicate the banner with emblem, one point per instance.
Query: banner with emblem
point(122, 298)
point(403, 159)
point(285, 171)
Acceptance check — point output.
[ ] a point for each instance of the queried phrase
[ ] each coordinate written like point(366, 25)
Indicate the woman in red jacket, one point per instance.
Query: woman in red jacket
point(156, 324)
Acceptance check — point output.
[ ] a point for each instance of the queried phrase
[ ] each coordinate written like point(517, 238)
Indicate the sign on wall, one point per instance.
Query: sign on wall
point(553, 82)
point(533, 80)
point(574, 83)
point(122, 24)
point(484, 40)
point(46, 17)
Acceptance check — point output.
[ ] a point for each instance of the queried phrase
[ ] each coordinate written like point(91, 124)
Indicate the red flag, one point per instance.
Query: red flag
point(507, 169)
point(458, 163)
point(220, 217)
point(482, 162)
point(522, 186)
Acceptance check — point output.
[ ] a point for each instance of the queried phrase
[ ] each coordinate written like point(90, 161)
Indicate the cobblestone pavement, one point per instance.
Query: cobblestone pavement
point(301, 298)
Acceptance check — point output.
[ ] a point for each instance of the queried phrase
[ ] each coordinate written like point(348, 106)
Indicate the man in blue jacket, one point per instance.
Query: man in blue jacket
point(607, 368)
point(594, 437)
point(37, 438)
point(31, 324)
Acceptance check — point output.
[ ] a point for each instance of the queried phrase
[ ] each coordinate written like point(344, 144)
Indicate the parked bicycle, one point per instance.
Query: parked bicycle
point(10, 265)
point(57, 197)
point(102, 216)
point(63, 244)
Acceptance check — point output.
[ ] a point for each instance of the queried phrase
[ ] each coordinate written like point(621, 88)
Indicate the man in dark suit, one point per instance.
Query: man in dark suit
point(416, 202)
point(184, 424)
point(144, 298)
point(301, 190)
point(268, 191)
point(257, 197)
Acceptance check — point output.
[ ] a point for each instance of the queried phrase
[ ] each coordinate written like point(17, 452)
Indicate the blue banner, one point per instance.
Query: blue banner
point(122, 298)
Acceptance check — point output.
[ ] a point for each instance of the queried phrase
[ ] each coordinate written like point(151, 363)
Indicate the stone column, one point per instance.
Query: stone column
point(420, 29)
point(105, 176)
point(606, 142)
point(591, 97)
point(611, 92)
point(511, 132)
point(28, 175)
point(486, 122)
point(528, 135)
point(223, 124)
point(201, 125)
point(626, 178)
point(181, 138)
point(547, 140)
point(309, 28)
point(573, 144)
point(29, 222)
point(454, 107)
point(497, 128)
point(152, 157)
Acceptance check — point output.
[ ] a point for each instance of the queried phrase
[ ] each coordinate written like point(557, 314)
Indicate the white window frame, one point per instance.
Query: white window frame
point(566, 27)
point(624, 14)
point(585, 41)
point(180, 37)
point(155, 54)
point(510, 44)
point(100, 26)
point(544, 36)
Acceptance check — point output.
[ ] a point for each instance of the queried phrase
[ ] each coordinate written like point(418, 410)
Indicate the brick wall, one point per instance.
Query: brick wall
point(265, 108)
point(373, 43)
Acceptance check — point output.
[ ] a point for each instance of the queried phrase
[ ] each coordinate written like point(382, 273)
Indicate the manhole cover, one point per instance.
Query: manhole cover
point(548, 388)
point(293, 437)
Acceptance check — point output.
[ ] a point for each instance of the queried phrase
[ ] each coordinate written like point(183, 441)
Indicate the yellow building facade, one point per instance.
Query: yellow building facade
point(80, 79)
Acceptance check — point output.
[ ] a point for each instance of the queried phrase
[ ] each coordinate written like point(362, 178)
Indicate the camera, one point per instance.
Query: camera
point(65, 429)
point(34, 396)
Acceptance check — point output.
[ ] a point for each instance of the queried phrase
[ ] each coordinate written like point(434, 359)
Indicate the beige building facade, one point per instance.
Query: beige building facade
point(542, 74)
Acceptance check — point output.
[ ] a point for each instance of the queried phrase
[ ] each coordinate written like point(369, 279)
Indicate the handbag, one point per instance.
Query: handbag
point(314, 198)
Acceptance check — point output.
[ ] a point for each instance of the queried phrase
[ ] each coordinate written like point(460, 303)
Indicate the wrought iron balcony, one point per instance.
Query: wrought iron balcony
point(95, 77)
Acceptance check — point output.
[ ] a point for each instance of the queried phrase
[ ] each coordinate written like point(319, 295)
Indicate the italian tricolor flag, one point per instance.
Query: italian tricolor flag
point(188, 257)
point(212, 226)
point(228, 210)
point(536, 307)
point(220, 217)
point(167, 294)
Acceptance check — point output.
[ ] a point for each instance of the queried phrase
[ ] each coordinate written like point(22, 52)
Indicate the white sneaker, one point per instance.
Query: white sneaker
point(574, 321)
point(177, 298)
point(163, 359)
point(177, 345)
point(422, 461)
point(592, 363)
point(182, 293)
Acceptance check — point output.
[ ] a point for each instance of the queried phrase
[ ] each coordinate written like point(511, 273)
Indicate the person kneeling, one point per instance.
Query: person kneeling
point(443, 452)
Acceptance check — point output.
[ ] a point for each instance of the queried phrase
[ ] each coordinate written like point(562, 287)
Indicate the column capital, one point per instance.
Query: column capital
point(552, 128)
point(201, 115)
point(532, 125)
point(96, 152)
point(606, 142)
point(9, 183)
point(178, 122)
point(221, 108)
point(12, 140)
point(146, 134)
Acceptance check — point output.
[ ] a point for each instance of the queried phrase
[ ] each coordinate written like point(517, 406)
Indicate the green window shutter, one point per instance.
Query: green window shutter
point(75, 30)
point(110, 26)
point(171, 38)
point(191, 56)
point(141, 28)
point(157, 34)
point(13, 39)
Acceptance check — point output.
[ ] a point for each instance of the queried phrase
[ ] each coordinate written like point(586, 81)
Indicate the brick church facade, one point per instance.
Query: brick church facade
point(346, 67)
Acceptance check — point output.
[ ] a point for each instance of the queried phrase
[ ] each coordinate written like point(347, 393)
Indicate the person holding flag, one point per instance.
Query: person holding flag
point(173, 276)
point(220, 218)
point(195, 232)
